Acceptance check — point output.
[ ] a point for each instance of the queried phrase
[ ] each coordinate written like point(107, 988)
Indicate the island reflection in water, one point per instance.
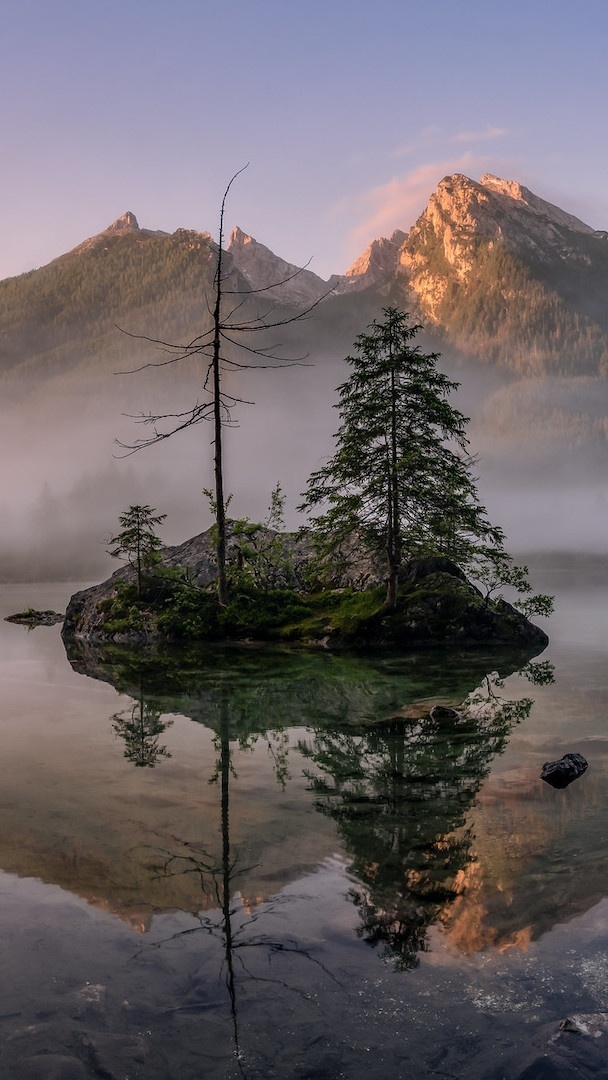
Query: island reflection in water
point(395, 772)
point(257, 903)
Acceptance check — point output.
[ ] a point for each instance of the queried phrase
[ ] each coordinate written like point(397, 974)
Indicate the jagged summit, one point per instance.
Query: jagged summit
point(508, 275)
point(127, 221)
point(262, 268)
point(379, 261)
point(462, 210)
point(124, 226)
point(513, 190)
point(461, 213)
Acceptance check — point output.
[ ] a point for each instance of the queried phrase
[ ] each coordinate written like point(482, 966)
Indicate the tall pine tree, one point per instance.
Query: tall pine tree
point(400, 480)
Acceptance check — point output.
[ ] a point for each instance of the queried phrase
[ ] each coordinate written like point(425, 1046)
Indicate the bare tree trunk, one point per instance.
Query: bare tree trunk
point(220, 506)
point(219, 406)
point(218, 464)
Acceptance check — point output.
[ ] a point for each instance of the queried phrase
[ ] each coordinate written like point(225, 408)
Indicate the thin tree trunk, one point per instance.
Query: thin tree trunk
point(394, 515)
point(138, 560)
point(219, 484)
point(218, 470)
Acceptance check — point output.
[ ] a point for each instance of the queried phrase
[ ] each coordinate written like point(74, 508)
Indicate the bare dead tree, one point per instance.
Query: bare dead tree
point(229, 342)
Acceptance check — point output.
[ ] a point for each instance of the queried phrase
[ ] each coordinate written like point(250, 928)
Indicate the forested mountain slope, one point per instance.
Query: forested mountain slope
point(509, 288)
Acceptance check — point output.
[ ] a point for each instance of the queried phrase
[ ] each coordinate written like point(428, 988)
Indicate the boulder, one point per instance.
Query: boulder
point(562, 772)
point(30, 618)
point(444, 714)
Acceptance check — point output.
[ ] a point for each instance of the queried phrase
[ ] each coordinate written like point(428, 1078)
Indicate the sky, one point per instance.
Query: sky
point(348, 114)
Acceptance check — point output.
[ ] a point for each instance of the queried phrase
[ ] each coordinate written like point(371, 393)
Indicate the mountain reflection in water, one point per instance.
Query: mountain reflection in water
point(396, 776)
point(294, 866)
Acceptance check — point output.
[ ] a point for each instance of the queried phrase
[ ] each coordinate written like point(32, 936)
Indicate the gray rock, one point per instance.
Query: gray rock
point(590, 1024)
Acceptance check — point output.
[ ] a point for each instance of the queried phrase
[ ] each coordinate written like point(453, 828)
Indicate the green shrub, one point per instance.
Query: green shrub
point(189, 613)
point(261, 612)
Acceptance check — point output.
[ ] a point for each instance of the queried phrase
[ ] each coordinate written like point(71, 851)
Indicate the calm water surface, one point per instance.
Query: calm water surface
point(269, 864)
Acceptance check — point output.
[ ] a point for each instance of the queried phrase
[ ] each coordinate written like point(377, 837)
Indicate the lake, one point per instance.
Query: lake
point(257, 863)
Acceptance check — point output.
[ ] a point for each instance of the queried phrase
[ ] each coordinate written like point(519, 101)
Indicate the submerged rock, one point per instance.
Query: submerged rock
point(30, 617)
point(590, 1024)
point(562, 772)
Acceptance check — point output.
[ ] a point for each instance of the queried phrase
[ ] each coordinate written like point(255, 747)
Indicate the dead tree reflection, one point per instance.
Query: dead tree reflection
point(231, 922)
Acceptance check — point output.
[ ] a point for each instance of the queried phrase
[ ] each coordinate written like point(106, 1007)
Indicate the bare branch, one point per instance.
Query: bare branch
point(227, 332)
point(275, 284)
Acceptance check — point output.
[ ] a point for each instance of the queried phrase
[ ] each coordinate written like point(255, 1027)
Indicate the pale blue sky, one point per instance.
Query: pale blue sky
point(349, 114)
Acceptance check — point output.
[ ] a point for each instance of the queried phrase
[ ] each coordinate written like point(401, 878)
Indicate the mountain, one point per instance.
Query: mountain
point(510, 288)
point(375, 267)
point(513, 291)
point(260, 267)
point(83, 364)
point(506, 276)
point(64, 315)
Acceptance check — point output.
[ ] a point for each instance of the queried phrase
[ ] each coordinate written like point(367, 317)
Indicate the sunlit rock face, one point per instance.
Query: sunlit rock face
point(376, 266)
point(128, 221)
point(462, 215)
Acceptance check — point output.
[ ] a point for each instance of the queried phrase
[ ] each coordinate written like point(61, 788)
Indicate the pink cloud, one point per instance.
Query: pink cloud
point(397, 204)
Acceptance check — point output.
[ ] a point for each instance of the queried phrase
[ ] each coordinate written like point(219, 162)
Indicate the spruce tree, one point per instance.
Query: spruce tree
point(400, 480)
point(137, 542)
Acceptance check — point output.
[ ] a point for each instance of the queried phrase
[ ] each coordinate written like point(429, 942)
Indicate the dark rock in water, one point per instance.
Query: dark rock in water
point(30, 617)
point(575, 1051)
point(592, 1025)
point(562, 772)
point(443, 714)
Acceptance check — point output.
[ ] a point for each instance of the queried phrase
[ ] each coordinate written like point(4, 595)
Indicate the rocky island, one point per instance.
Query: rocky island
point(437, 605)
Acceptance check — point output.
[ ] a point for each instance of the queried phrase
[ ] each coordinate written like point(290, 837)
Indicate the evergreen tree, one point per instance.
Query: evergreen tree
point(401, 478)
point(137, 542)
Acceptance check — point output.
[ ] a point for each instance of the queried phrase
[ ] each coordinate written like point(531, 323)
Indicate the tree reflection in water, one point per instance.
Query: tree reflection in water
point(237, 928)
point(140, 727)
point(400, 791)
point(397, 776)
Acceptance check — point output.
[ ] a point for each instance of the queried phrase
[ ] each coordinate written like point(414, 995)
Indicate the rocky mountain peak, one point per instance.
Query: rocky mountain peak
point(511, 189)
point(464, 216)
point(262, 269)
point(462, 209)
point(239, 239)
point(128, 222)
point(377, 263)
point(123, 226)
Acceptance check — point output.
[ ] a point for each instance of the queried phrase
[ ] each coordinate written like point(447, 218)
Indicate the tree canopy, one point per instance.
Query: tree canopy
point(400, 481)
